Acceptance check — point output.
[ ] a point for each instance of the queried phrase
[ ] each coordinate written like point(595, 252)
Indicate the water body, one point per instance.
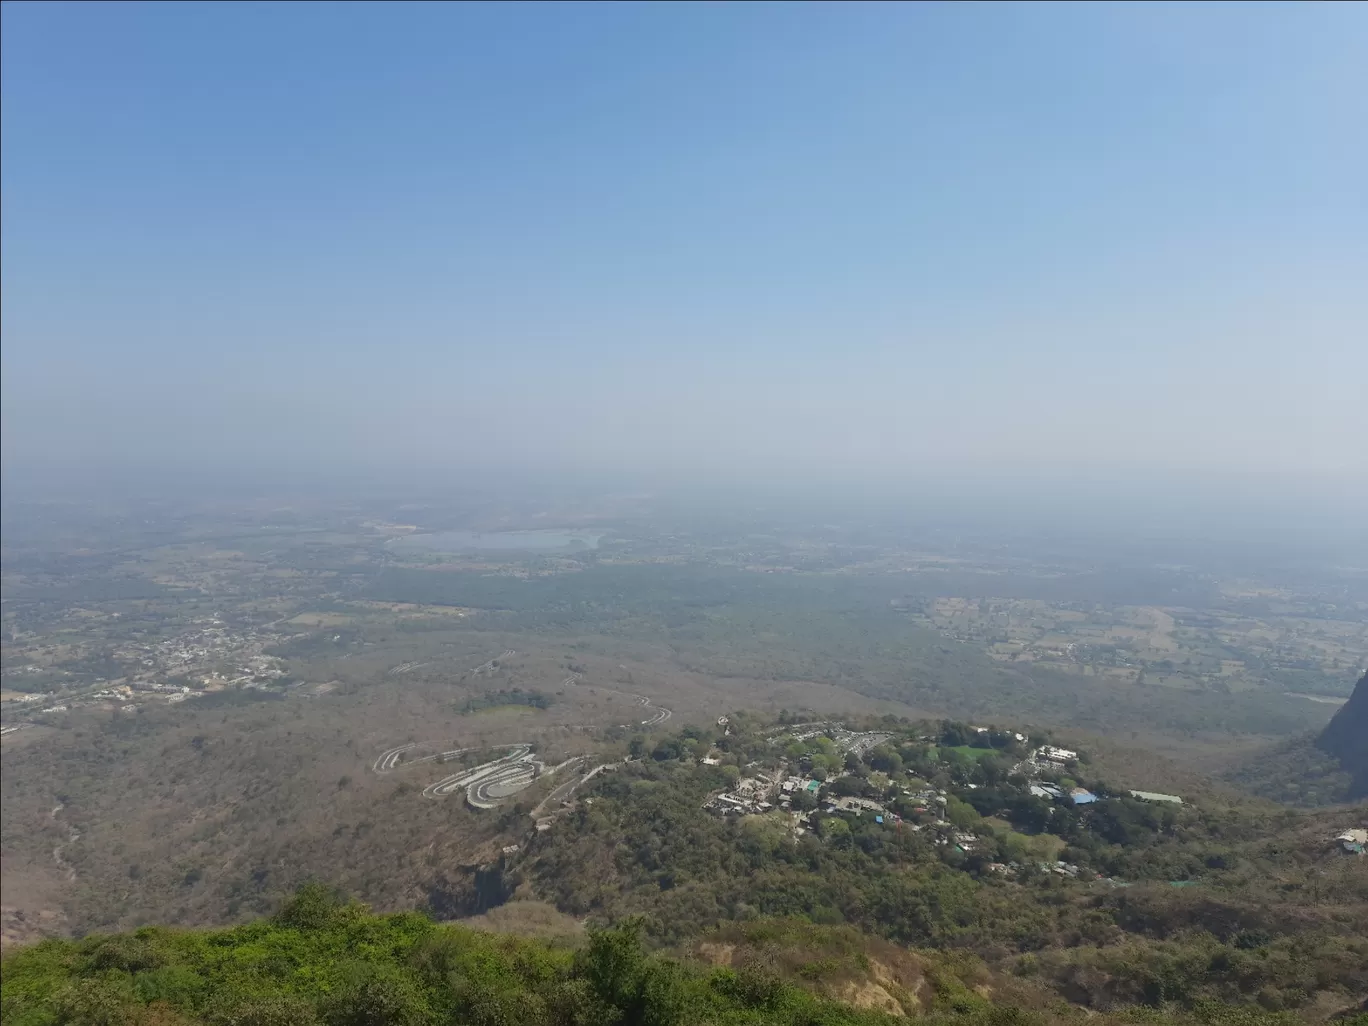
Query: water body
point(499, 541)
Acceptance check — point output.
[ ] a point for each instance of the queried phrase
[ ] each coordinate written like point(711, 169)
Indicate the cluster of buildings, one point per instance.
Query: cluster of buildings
point(1082, 796)
point(748, 796)
point(794, 785)
point(215, 655)
point(758, 794)
point(1055, 793)
point(1058, 868)
point(1048, 756)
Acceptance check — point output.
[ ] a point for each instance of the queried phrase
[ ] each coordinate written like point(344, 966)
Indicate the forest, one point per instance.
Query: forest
point(321, 961)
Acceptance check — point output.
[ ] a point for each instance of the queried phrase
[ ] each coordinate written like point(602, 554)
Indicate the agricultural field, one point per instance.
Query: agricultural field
point(1286, 648)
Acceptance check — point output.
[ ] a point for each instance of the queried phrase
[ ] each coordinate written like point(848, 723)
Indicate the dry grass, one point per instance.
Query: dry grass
point(530, 919)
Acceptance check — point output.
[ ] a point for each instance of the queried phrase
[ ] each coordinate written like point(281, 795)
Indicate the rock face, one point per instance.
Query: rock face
point(1346, 738)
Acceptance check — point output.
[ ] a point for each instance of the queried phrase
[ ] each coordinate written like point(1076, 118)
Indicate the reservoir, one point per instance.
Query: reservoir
point(499, 541)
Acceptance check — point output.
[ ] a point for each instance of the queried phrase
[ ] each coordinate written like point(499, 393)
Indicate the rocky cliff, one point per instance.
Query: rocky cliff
point(1346, 739)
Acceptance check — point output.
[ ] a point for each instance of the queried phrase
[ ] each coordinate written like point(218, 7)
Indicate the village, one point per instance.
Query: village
point(827, 771)
point(208, 658)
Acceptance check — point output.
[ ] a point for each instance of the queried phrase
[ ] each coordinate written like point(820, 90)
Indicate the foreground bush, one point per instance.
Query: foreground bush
point(322, 962)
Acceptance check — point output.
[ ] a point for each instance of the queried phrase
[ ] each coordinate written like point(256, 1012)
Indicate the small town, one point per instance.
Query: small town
point(210, 657)
point(830, 775)
point(819, 773)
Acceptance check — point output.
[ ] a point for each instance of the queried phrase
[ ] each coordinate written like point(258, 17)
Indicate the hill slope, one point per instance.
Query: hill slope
point(1346, 739)
point(320, 963)
point(1315, 769)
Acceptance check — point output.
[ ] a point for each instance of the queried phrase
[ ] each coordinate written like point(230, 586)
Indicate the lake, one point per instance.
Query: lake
point(499, 541)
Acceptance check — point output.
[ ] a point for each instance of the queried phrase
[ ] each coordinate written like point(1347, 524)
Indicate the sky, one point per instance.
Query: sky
point(741, 239)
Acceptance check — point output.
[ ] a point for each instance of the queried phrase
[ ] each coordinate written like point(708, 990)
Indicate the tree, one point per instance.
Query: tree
point(614, 965)
point(376, 995)
point(835, 831)
point(314, 907)
point(886, 760)
point(961, 814)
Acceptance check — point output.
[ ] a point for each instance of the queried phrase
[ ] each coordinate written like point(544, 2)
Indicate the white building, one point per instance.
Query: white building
point(1052, 754)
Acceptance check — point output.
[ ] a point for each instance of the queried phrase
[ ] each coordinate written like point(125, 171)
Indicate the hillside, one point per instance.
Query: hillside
point(1314, 769)
point(1107, 905)
point(323, 963)
point(905, 837)
point(1345, 739)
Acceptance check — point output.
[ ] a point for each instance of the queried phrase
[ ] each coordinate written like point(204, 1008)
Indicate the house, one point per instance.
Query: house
point(858, 805)
point(1353, 841)
point(1047, 791)
point(1050, 753)
point(1154, 796)
point(1082, 796)
point(1060, 868)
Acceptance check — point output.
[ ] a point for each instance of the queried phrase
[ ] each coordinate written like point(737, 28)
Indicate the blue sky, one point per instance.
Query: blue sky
point(890, 238)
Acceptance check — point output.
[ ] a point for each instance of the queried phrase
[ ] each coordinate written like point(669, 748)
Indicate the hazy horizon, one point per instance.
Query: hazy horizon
point(921, 243)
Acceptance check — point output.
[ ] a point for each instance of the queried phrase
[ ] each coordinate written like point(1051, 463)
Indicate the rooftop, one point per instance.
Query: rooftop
point(1155, 796)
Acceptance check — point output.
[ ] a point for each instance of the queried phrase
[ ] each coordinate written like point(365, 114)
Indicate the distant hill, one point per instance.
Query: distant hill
point(1345, 739)
point(1315, 769)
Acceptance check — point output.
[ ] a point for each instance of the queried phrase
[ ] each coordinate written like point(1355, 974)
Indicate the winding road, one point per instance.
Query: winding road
point(659, 715)
point(73, 835)
point(490, 784)
point(487, 784)
point(488, 667)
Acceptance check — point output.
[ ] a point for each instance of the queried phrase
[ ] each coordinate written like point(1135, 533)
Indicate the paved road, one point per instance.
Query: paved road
point(484, 667)
point(566, 790)
point(561, 791)
point(519, 757)
point(500, 783)
point(407, 755)
point(491, 783)
point(73, 835)
point(659, 713)
point(489, 666)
